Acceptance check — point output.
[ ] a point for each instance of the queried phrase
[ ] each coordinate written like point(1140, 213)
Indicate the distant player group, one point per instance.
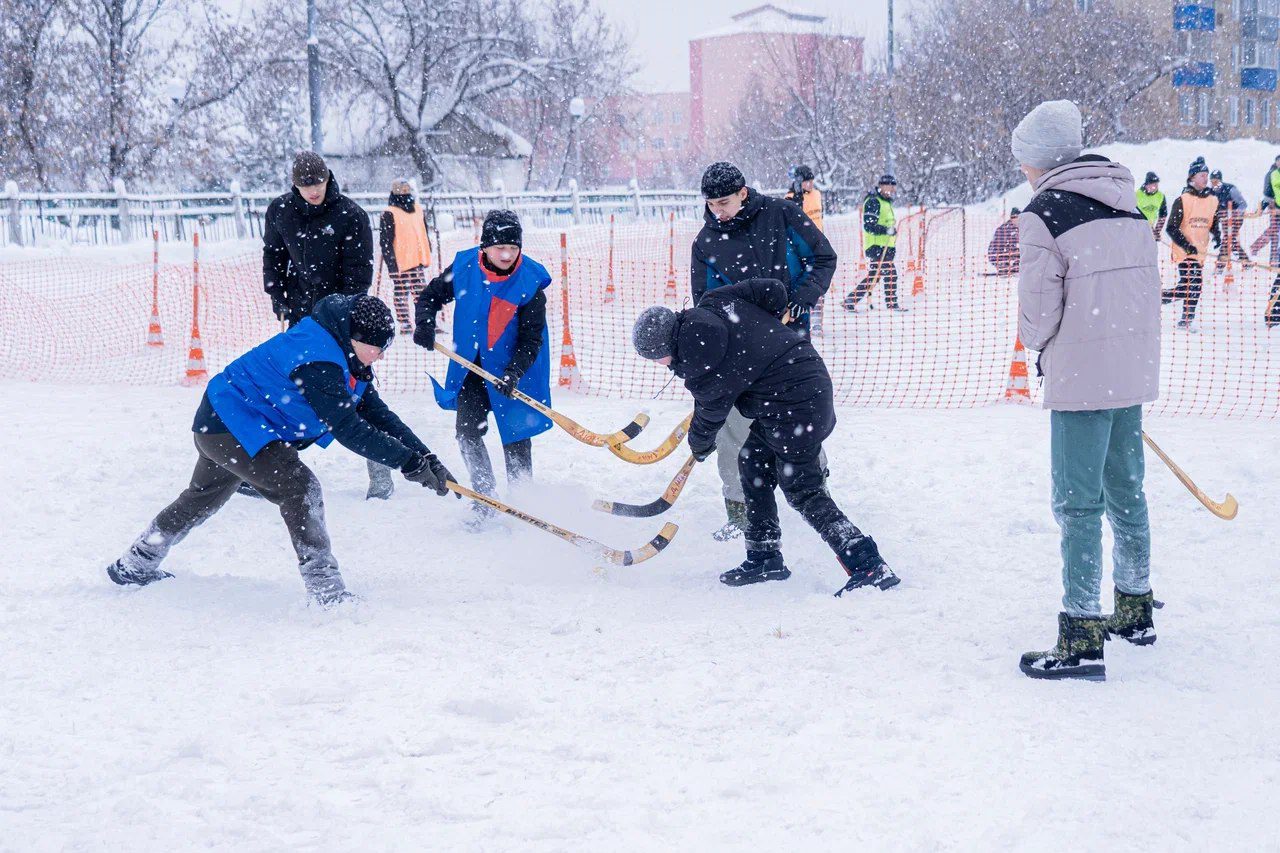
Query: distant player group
point(1089, 301)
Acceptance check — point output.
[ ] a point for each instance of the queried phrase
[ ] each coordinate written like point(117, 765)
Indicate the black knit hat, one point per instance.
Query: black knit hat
point(1216, 173)
point(1152, 178)
point(803, 173)
point(887, 179)
point(501, 228)
point(654, 334)
point(309, 169)
point(1197, 166)
point(371, 321)
point(722, 179)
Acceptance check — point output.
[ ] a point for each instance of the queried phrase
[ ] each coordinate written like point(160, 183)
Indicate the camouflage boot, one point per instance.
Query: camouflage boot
point(737, 523)
point(1132, 620)
point(1077, 655)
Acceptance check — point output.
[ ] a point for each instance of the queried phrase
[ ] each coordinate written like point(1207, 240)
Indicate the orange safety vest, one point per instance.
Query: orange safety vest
point(1197, 217)
point(812, 206)
point(411, 244)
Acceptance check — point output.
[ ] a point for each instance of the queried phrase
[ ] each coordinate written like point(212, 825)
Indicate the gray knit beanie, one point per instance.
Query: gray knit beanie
point(1049, 136)
point(654, 334)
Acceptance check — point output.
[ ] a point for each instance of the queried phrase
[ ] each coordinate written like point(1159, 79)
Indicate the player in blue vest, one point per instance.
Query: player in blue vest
point(500, 324)
point(308, 385)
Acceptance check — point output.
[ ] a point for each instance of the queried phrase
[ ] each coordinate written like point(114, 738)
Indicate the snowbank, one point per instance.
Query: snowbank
point(1244, 162)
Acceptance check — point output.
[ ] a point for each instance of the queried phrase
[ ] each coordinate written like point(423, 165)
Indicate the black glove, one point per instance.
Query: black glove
point(700, 452)
point(506, 386)
point(426, 470)
point(795, 311)
point(280, 308)
point(425, 334)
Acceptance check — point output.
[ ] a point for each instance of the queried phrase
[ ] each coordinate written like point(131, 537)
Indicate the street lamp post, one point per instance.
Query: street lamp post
point(313, 78)
point(890, 155)
point(577, 109)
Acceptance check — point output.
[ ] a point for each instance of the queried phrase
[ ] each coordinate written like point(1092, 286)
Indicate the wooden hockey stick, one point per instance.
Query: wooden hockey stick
point(655, 507)
point(569, 425)
point(1226, 510)
point(662, 451)
point(613, 555)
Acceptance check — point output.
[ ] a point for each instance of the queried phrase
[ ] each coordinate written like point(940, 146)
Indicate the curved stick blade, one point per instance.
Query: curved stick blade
point(655, 507)
point(656, 544)
point(662, 451)
point(1226, 510)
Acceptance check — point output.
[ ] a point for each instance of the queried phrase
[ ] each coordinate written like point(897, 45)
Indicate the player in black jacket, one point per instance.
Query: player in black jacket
point(733, 351)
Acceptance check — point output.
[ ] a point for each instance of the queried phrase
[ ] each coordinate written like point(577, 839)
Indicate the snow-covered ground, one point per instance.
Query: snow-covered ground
point(502, 693)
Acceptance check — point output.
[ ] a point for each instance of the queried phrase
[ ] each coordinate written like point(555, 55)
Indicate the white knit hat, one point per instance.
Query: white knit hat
point(1049, 136)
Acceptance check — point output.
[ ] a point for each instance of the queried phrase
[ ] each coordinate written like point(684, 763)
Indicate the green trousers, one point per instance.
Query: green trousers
point(1098, 465)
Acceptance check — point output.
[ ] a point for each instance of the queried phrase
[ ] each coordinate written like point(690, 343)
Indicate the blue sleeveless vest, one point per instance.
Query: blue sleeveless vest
point(484, 325)
point(257, 400)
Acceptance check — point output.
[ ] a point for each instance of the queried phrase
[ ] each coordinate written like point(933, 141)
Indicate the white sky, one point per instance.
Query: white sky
point(662, 29)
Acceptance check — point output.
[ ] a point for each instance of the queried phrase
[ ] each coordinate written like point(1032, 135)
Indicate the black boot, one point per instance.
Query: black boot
point(758, 567)
point(861, 561)
point(1077, 655)
point(1132, 620)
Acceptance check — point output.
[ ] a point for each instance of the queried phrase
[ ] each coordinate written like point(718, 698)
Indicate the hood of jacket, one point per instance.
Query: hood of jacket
point(701, 343)
point(752, 206)
point(404, 201)
point(333, 313)
point(1094, 177)
point(331, 194)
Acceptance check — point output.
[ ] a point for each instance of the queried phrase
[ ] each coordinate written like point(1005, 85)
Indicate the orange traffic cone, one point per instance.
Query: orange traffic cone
point(570, 377)
point(1019, 389)
point(155, 338)
point(196, 371)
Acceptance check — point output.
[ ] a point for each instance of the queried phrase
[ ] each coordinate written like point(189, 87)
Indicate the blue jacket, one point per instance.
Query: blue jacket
point(485, 332)
point(302, 386)
point(768, 238)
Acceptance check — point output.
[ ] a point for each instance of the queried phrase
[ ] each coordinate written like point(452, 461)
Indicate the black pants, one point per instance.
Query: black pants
point(762, 469)
point(1190, 283)
point(881, 269)
point(1272, 315)
point(472, 426)
point(278, 475)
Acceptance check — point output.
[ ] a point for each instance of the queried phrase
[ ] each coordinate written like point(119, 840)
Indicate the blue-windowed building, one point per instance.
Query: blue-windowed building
point(1228, 55)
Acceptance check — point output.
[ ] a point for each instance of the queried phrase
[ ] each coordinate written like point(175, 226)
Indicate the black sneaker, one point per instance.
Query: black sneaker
point(757, 568)
point(881, 577)
point(126, 575)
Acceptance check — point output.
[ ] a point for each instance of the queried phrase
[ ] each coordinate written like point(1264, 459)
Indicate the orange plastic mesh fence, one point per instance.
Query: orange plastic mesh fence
point(85, 320)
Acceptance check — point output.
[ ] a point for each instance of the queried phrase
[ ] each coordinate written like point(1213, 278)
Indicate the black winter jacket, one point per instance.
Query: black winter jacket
point(768, 238)
point(310, 251)
point(370, 428)
point(732, 350)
